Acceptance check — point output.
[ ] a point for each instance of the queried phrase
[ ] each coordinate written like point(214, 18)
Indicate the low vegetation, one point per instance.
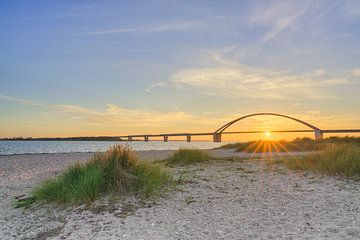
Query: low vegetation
point(114, 171)
point(187, 157)
point(298, 144)
point(335, 159)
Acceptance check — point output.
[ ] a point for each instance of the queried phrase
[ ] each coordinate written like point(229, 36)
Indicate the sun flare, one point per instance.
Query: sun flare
point(267, 134)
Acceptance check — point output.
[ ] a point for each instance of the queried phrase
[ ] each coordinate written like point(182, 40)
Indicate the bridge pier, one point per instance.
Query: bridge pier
point(166, 138)
point(130, 138)
point(188, 138)
point(146, 138)
point(319, 135)
point(217, 137)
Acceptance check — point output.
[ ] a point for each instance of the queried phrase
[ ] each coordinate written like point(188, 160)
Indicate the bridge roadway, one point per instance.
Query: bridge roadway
point(216, 138)
point(319, 133)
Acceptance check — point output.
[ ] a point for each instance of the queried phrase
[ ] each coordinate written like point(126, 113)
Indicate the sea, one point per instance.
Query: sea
point(26, 147)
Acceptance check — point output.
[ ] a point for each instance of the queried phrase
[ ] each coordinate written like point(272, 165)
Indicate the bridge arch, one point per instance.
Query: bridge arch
point(318, 132)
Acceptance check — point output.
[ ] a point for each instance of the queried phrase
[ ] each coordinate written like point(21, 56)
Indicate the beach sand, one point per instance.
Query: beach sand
point(222, 199)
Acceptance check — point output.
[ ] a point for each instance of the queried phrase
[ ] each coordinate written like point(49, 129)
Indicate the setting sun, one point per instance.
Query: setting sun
point(267, 134)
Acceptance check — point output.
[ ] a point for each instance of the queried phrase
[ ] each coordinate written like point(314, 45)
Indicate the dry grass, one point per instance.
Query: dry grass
point(298, 144)
point(334, 159)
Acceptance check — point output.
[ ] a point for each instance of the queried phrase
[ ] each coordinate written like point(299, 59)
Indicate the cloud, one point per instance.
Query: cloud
point(147, 121)
point(148, 29)
point(114, 115)
point(277, 17)
point(313, 112)
point(21, 101)
point(225, 77)
point(351, 8)
point(155, 85)
point(295, 104)
point(240, 81)
point(356, 72)
point(175, 26)
point(320, 72)
point(129, 117)
point(331, 121)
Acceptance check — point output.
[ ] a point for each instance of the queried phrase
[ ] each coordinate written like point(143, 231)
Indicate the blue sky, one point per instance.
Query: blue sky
point(118, 67)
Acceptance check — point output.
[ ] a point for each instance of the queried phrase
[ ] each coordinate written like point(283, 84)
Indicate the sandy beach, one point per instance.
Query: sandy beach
point(222, 199)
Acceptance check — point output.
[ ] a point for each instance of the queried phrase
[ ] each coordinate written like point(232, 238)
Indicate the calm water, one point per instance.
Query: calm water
point(21, 147)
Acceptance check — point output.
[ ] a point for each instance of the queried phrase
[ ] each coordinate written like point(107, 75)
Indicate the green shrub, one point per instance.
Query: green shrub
point(334, 159)
point(115, 171)
point(187, 157)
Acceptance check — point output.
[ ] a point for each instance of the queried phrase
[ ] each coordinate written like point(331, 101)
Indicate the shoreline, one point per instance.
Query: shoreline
point(22, 167)
point(49, 147)
point(159, 150)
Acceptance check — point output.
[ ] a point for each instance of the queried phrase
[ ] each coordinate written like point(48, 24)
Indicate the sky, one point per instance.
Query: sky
point(90, 68)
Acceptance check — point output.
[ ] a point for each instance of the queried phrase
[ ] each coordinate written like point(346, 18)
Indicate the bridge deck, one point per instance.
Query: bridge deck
point(218, 133)
point(189, 135)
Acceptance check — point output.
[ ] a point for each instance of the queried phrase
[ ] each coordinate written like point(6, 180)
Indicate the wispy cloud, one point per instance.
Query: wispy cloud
point(255, 83)
point(129, 117)
point(161, 27)
point(356, 72)
point(21, 101)
point(277, 17)
point(148, 29)
point(147, 121)
point(351, 8)
point(155, 85)
point(295, 104)
point(114, 115)
point(230, 79)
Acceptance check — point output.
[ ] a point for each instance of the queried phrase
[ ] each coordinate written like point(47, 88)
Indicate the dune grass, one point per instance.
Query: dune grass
point(259, 146)
point(79, 183)
point(114, 171)
point(335, 159)
point(187, 157)
point(298, 144)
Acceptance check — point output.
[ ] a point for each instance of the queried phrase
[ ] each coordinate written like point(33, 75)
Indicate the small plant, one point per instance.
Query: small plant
point(184, 178)
point(23, 202)
point(189, 199)
point(114, 171)
point(334, 159)
point(187, 157)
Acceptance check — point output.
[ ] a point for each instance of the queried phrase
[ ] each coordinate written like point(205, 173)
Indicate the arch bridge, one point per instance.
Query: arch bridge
point(318, 133)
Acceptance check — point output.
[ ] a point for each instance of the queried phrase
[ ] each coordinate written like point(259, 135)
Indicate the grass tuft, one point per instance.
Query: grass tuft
point(187, 157)
point(149, 177)
point(334, 159)
point(115, 171)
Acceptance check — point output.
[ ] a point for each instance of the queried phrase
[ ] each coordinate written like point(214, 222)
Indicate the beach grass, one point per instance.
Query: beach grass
point(335, 159)
point(298, 144)
point(185, 157)
point(114, 171)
